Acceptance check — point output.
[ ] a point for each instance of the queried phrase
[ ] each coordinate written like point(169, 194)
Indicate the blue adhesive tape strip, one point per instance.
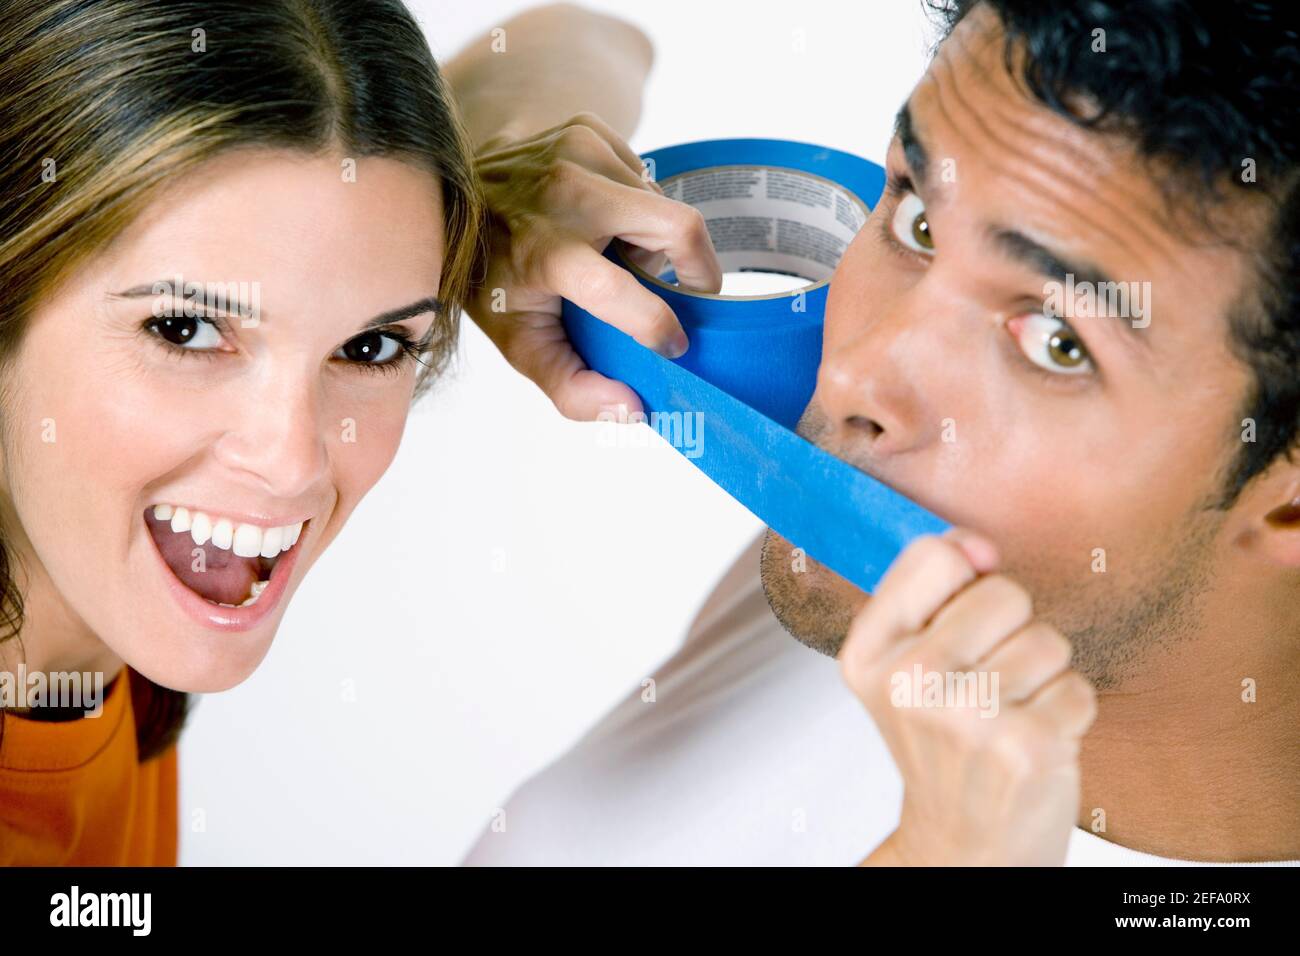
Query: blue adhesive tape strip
point(752, 363)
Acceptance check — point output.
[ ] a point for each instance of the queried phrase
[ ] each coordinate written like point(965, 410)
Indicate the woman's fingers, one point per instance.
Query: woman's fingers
point(536, 346)
point(607, 183)
point(574, 139)
point(648, 260)
point(621, 149)
point(679, 231)
point(590, 281)
point(558, 198)
point(656, 223)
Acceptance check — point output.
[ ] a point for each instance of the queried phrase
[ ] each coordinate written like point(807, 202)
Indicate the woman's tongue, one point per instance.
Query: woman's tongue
point(226, 577)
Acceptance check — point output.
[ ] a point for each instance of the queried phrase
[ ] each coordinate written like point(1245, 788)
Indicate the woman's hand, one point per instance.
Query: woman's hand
point(990, 776)
point(556, 200)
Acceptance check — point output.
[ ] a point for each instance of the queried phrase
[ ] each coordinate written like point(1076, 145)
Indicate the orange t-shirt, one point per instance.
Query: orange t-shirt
point(75, 793)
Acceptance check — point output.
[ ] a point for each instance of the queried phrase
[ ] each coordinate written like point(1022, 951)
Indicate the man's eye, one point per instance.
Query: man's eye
point(1051, 344)
point(187, 332)
point(371, 348)
point(910, 225)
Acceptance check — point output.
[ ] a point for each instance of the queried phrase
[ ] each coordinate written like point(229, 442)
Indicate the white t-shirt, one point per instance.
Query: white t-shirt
point(753, 751)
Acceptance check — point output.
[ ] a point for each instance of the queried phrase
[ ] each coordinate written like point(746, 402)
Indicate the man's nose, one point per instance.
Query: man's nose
point(870, 385)
point(274, 436)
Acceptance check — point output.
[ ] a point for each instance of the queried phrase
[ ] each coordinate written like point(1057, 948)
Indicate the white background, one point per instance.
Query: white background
point(509, 578)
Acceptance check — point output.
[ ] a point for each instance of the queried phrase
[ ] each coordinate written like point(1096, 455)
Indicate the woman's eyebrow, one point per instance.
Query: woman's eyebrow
point(221, 297)
point(231, 302)
point(427, 304)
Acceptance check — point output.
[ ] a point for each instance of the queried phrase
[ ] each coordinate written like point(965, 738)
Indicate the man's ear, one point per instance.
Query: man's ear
point(1272, 518)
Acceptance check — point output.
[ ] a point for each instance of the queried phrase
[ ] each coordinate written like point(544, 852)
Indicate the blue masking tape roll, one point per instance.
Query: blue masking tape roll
point(731, 402)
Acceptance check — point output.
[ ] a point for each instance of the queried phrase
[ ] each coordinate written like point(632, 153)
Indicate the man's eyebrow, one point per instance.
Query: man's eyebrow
point(918, 160)
point(419, 307)
point(1056, 267)
point(1010, 242)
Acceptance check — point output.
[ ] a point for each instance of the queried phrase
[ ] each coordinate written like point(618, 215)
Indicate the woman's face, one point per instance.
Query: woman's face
point(141, 382)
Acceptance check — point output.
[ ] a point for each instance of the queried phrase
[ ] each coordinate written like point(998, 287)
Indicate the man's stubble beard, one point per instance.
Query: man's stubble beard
point(1115, 623)
point(811, 605)
point(1120, 633)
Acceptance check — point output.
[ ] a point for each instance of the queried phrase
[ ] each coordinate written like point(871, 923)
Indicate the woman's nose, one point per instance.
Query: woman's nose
point(275, 437)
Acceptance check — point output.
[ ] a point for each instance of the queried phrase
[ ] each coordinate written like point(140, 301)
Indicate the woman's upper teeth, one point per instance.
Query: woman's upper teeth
point(247, 540)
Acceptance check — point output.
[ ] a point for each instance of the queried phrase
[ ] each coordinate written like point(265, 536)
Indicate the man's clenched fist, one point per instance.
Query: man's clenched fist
point(987, 782)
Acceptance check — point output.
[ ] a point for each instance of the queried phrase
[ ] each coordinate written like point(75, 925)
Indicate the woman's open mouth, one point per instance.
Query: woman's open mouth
point(226, 562)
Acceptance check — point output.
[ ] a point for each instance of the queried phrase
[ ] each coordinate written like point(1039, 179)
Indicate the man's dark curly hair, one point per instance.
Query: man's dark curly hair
point(1201, 86)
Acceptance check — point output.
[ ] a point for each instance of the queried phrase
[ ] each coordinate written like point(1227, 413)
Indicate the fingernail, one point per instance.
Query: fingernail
point(678, 346)
point(982, 552)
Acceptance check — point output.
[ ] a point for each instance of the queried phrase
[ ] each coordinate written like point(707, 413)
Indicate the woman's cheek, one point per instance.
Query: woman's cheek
point(142, 430)
point(363, 431)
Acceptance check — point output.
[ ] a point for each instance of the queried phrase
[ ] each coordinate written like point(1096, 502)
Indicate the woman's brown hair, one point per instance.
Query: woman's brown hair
point(103, 101)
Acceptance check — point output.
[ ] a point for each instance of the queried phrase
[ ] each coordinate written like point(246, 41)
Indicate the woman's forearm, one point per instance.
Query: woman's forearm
point(543, 66)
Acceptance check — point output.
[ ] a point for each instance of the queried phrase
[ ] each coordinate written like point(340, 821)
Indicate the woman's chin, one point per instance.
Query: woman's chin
point(195, 660)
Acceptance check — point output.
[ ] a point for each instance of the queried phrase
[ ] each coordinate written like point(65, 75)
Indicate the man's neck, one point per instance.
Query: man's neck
point(1198, 758)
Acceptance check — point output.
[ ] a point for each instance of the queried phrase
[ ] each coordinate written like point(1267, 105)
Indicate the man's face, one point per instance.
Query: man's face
point(1087, 447)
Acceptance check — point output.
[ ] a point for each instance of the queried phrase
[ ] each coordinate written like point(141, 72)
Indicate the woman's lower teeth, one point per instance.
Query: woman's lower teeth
point(254, 593)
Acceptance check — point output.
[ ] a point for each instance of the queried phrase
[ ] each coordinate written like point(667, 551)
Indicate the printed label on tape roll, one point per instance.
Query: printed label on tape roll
point(767, 219)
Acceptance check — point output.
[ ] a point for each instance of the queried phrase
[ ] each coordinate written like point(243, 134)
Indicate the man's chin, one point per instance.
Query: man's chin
point(810, 600)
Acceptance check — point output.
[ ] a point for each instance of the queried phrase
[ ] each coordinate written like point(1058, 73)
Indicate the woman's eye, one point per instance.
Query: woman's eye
point(1051, 344)
point(187, 332)
point(370, 348)
point(910, 225)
